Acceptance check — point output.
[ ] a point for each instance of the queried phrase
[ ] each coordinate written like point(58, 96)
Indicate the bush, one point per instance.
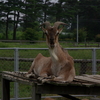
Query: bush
point(82, 34)
point(30, 34)
point(66, 36)
point(97, 38)
point(2, 36)
point(19, 35)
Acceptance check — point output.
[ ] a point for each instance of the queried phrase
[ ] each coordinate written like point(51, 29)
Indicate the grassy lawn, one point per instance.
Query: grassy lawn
point(29, 53)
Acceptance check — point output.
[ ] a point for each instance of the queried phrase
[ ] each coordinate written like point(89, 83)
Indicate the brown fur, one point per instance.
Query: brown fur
point(60, 63)
point(41, 66)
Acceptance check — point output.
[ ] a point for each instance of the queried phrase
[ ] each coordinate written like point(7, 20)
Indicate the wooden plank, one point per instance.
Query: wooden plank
point(35, 96)
point(88, 79)
point(69, 89)
point(5, 89)
point(97, 77)
point(69, 97)
point(79, 80)
point(81, 85)
point(19, 77)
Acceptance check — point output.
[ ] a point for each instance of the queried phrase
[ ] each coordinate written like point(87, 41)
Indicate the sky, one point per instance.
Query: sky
point(53, 0)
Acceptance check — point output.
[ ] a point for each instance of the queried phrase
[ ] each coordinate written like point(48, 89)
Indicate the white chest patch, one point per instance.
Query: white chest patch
point(53, 54)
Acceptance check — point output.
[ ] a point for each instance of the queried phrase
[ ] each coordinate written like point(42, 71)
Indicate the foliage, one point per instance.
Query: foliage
point(90, 17)
point(1, 36)
point(97, 38)
point(18, 35)
point(30, 13)
point(31, 34)
point(31, 10)
point(82, 35)
point(66, 36)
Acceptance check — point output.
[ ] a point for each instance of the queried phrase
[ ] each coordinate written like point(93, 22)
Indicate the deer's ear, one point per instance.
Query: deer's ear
point(60, 30)
point(44, 30)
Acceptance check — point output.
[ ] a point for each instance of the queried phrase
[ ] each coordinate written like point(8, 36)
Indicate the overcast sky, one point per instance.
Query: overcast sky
point(53, 0)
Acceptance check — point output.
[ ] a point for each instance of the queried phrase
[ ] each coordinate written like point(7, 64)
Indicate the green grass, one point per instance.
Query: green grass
point(29, 45)
point(24, 66)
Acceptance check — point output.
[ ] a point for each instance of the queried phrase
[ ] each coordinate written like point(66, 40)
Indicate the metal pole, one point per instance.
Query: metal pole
point(94, 70)
point(16, 68)
point(77, 28)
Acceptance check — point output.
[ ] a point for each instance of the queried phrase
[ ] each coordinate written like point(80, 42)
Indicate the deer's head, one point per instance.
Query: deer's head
point(52, 33)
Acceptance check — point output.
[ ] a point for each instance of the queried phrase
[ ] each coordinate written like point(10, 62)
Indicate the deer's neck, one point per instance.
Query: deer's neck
point(56, 52)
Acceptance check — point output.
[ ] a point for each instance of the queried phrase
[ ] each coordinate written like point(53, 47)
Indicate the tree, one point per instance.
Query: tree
point(6, 18)
point(31, 13)
point(46, 9)
point(82, 34)
point(16, 13)
point(89, 17)
point(11, 14)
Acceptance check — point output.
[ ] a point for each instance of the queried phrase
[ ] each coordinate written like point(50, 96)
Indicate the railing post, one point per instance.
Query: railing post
point(94, 70)
point(16, 68)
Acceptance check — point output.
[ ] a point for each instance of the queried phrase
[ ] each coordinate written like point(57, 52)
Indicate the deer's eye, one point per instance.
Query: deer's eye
point(57, 33)
point(45, 33)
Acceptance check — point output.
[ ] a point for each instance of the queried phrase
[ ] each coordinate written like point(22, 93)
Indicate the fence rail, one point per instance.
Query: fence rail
point(31, 59)
point(75, 44)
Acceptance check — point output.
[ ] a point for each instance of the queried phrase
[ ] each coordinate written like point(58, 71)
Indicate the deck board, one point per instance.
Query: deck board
point(81, 85)
point(87, 80)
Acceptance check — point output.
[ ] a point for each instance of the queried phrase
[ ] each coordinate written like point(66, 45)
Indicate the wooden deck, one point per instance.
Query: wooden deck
point(86, 84)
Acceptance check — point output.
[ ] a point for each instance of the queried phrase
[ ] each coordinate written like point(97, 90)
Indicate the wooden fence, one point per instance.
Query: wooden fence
point(74, 44)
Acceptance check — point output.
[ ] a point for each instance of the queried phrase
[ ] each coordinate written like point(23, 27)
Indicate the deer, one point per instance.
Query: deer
point(60, 64)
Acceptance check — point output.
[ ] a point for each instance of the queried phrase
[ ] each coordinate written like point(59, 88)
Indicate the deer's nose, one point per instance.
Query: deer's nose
point(52, 41)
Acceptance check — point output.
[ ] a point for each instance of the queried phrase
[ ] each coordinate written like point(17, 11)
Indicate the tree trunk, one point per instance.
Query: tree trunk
point(15, 25)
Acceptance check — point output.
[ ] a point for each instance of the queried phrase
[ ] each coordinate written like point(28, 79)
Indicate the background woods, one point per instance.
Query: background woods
point(20, 19)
